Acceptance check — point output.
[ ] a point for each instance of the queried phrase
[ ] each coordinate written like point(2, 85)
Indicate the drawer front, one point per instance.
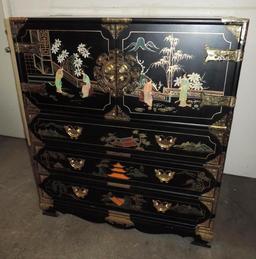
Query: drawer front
point(174, 208)
point(147, 174)
point(196, 146)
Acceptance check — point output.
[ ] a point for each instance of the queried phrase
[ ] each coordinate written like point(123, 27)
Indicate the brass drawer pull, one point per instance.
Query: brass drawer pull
point(76, 163)
point(164, 176)
point(80, 192)
point(73, 131)
point(161, 206)
point(165, 143)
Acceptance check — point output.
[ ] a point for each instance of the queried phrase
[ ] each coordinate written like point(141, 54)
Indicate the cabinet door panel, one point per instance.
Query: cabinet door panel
point(179, 71)
point(66, 65)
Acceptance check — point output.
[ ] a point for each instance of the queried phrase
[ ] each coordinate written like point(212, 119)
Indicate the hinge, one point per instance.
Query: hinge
point(223, 55)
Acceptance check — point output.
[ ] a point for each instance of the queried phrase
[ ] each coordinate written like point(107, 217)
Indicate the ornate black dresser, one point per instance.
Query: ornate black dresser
point(129, 119)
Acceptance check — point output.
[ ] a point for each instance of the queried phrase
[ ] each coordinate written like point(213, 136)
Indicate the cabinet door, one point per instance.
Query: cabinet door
point(66, 65)
point(179, 70)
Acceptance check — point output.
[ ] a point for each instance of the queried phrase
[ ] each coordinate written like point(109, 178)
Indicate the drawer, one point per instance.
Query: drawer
point(139, 173)
point(173, 208)
point(176, 143)
point(124, 220)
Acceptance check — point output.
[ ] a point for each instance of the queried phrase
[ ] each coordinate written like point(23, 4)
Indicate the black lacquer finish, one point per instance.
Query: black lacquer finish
point(130, 118)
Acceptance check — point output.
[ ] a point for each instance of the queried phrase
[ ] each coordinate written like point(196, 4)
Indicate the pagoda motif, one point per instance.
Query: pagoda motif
point(118, 171)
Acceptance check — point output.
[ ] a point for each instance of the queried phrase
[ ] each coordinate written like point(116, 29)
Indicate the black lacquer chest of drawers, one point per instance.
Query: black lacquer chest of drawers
point(129, 119)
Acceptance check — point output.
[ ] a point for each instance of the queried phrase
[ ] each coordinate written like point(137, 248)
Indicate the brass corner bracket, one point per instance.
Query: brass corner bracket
point(115, 25)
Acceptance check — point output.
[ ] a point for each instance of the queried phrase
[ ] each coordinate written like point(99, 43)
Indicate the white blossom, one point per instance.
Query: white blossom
point(86, 53)
point(81, 47)
point(54, 49)
point(83, 50)
point(64, 53)
point(76, 55)
point(60, 58)
point(177, 81)
point(194, 77)
point(78, 62)
point(57, 42)
point(78, 72)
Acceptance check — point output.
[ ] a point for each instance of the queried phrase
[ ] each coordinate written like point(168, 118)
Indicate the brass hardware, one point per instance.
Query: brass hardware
point(114, 69)
point(223, 55)
point(116, 20)
point(80, 192)
point(205, 234)
point(209, 99)
point(76, 164)
point(73, 131)
point(221, 128)
point(16, 24)
point(235, 30)
point(119, 218)
point(161, 206)
point(117, 114)
point(233, 22)
point(115, 25)
point(208, 204)
point(7, 49)
point(165, 143)
point(165, 176)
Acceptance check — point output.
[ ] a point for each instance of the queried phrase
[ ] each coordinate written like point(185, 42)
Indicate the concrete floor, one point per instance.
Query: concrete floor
point(26, 233)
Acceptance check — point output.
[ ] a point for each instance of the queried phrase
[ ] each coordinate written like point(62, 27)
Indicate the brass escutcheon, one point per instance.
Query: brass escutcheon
point(80, 192)
point(73, 131)
point(76, 163)
point(164, 176)
point(165, 143)
point(161, 206)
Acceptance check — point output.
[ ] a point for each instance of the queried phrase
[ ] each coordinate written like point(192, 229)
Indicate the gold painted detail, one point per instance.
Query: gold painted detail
point(161, 206)
point(117, 114)
point(73, 131)
point(138, 140)
point(195, 147)
point(26, 48)
point(164, 176)
point(80, 192)
point(119, 219)
point(223, 55)
point(76, 164)
point(165, 143)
